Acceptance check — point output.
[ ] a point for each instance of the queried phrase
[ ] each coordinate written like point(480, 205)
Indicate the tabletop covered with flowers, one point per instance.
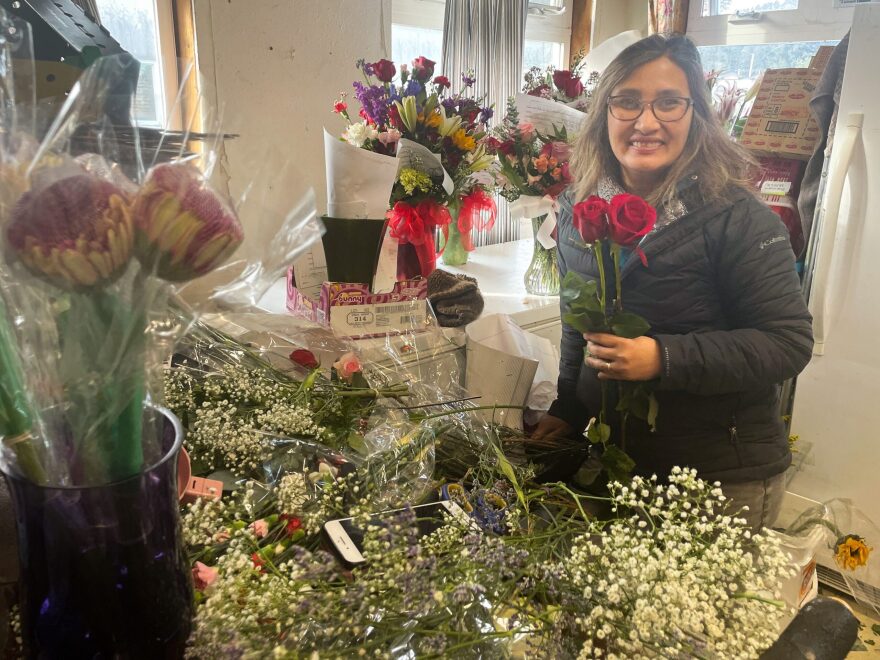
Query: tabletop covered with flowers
point(174, 485)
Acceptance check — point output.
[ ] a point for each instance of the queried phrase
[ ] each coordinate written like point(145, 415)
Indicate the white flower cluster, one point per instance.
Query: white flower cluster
point(201, 522)
point(678, 577)
point(292, 493)
point(229, 415)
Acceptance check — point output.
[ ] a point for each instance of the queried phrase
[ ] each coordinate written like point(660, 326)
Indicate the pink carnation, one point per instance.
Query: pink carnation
point(203, 576)
point(260, 528)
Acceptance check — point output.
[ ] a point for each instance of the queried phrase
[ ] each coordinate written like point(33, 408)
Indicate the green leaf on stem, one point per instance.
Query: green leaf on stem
point(599, 432)
point(585, 321)
point(618, 464)
point(626, 324)
point(575, 292)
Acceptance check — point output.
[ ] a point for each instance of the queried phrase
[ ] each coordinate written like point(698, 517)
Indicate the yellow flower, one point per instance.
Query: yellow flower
point(851, 552)
point(413, 180)
point(463, 141)
point(433, 120)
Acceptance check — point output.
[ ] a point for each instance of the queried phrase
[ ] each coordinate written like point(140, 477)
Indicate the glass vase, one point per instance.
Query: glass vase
point(416, 260)
point(103, 573)
point(542, 275)
point(454, 253)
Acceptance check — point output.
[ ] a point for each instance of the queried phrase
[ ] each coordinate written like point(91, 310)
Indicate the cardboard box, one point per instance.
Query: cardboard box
point(780, 122)
point(820, 60)
point(352, 310)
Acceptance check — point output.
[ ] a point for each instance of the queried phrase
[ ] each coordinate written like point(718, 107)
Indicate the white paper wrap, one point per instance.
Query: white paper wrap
point(532, 206)
point(508, 366)
point(359, 182)
point(546, 115)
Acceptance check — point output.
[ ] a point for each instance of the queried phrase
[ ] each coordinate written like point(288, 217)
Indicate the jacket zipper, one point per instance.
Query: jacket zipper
point(734, 439)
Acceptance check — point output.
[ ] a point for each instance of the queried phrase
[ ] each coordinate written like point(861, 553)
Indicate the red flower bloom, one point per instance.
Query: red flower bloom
point(304, 358)
point(568, 84)
point(340, 106)
point(443, 81)
point(258, 561)
point(590, 218)
point(384, 70)
point(293, 523)
point(394, 118)
point(629, 219)
point(422, 68)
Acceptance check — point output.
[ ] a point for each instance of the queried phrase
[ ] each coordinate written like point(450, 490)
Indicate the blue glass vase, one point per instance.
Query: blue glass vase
point(103, 572)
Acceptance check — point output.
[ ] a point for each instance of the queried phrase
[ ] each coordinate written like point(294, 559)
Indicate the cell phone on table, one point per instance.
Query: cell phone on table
point(347, 539)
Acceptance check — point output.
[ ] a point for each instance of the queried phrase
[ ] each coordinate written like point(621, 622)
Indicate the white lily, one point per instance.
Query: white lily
point(448, 125)
point(479, 159)
point(409, 114)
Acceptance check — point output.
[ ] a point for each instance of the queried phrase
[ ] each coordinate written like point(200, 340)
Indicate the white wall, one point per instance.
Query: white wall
point(612, 17)
point(275, 67)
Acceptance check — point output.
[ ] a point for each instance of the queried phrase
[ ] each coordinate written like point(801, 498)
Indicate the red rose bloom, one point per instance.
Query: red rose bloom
point(384, 70)
point(422, 68)
point(568, 84)
point(292, 524)
point(304, 358)
point(590, 218)
point(629, 219)
point(443, 81)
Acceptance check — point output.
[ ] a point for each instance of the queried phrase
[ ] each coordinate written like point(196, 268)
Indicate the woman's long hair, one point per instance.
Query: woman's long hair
point(709, 151)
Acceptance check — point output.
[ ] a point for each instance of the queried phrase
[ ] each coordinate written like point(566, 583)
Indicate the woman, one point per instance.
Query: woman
point(720, 291)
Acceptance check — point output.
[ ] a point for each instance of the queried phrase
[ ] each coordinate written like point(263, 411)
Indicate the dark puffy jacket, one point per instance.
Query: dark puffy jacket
point(724, 302)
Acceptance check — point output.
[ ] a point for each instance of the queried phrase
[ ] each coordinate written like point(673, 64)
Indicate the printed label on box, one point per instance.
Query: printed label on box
point(775, 187)
point(378, 318)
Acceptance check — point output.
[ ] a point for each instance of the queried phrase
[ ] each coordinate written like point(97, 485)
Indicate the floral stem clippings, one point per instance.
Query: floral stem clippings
point(611, 230)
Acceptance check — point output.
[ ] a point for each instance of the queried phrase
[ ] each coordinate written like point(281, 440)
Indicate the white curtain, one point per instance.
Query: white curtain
point(487, 38)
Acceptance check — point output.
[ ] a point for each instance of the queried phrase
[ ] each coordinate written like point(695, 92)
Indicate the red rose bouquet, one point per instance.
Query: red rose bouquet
point(612, 229)
point(564, 85)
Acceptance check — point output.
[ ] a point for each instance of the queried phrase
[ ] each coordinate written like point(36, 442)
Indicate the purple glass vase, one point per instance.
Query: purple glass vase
point(103, 569)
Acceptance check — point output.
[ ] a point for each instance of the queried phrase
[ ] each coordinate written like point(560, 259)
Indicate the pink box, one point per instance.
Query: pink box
point(351, 310)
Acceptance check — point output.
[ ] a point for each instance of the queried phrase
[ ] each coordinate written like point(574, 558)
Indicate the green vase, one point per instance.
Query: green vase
point(542, 275)
point(454, 253)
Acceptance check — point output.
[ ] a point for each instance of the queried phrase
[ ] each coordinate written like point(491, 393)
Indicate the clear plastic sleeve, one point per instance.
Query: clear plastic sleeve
point(99, 233)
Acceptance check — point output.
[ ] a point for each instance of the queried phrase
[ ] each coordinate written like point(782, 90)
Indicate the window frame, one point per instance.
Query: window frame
point(166, 52)
point(813, 20)
point(555, 27)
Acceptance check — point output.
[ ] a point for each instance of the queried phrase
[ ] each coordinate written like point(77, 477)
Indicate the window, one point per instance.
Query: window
point(720, 7)
point(744, 63)
point(806, 21)
point(145, 29)
point(408, 42)
point(543, 54)
point(417, 29)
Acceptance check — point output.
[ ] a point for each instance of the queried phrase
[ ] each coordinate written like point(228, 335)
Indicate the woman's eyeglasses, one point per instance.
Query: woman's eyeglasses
point(668, 108)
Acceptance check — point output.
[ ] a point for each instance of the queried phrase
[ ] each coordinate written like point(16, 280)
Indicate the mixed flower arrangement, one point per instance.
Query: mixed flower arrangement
point(411, 104)
point(563, 85)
